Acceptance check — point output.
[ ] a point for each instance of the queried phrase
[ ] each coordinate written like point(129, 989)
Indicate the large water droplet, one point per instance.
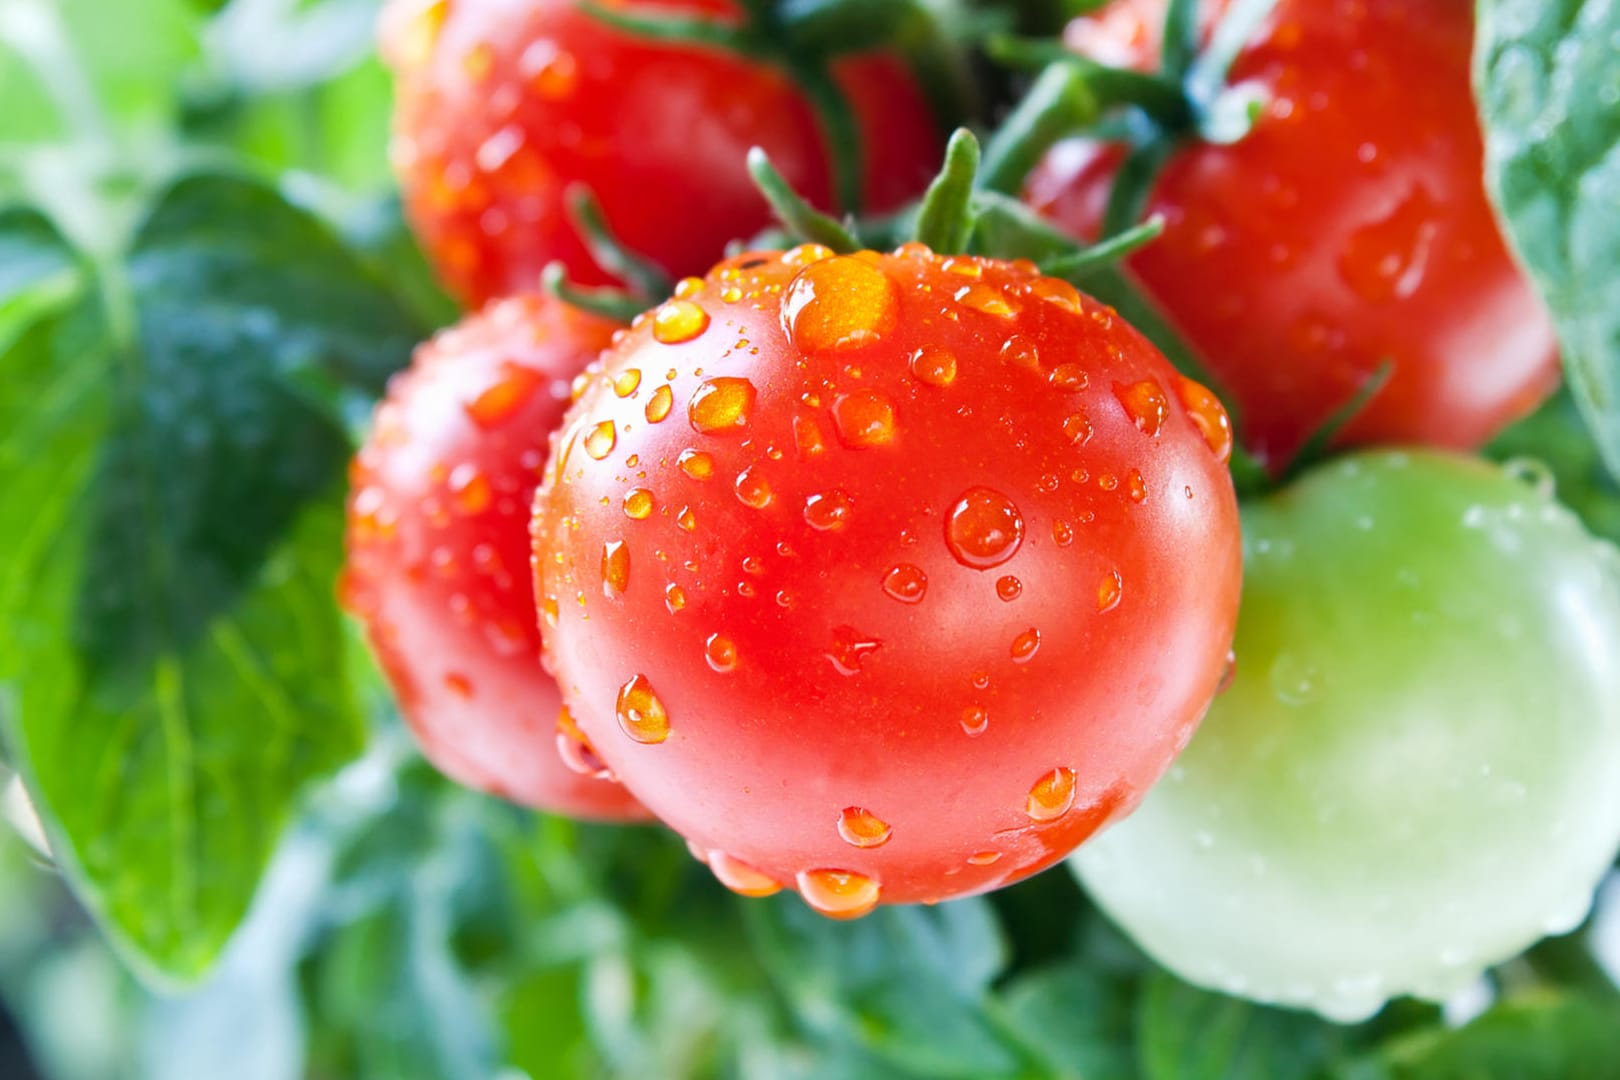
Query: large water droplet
point(641, 714)
point(721, 405)
point(600, 440)
point(1386, 259)
point(1145, 403)
point(827, 511)
point(1052, 796)
point(906, 583)
point(863, 419)
point(739, 877)
point(720, 653)
point(838, 894)
point(839, 303)
point(752, 489)
point(862, 828)
point(984, 529)
point(679, 321)
point(659, 405)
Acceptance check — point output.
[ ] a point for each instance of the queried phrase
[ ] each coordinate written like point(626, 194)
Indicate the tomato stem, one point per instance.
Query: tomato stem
point(610, 303)
point(1316, 446)
point(793, 211)
point(644, 277)
point(1114, 248)
point(945, 217)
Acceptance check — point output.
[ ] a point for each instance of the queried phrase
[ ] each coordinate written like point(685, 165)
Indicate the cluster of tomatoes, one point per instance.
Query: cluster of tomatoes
point(895, 577)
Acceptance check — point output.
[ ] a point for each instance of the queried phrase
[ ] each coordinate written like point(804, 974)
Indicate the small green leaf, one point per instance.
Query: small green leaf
point(1081, 1020)
point(1549, 93)
point(171, 464)
point(1191, 1034)
point(945, 218)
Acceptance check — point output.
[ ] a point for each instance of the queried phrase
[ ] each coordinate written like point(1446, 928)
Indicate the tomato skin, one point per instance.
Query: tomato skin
point(1412, 775)
point(438, 566)
point(1350, 227)
point(914, 572)
point(502, 104)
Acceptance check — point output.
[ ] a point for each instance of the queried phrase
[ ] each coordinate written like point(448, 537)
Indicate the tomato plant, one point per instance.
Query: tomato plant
point(886, 576)
point(502, 106)
point(438, 553)
point(1347, 230)
point(1412, 775)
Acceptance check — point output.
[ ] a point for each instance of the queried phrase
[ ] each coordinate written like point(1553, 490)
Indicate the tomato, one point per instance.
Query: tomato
point(1412, 775)
point(1350, 227)
point(886, 577)
point(502, 104)
point(438, 547)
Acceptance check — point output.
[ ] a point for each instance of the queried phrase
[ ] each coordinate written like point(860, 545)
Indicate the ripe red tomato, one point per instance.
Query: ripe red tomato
point(504, 103)
point(886, 577)
point(1350, 227)
point(439, 553)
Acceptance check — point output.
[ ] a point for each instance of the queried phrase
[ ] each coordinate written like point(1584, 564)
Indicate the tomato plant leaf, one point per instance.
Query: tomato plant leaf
point(1549, 95)
point(1190, 1034)
point(34, 257)
point(171, 467)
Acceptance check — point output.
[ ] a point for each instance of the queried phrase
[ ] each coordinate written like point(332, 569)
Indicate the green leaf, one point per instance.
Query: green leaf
point(1549, 93)
point(1191, 1034)
point(1081, 1020)
point(1540, 1037)
point(171, 463)
point(905, 983)
point(33, 256)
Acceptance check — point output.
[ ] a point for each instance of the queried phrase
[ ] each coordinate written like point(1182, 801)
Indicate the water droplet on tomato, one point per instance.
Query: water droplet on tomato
point(849, 649)
point(615, 569)
point(638, 504)
point(827, 511)
point(906, 583)
point(686, 519)
point(458, 684)
point(696, 464)
point(839, 303)
point(988, 300)
point(863, 419)
point(720, 653)
point(1208, 415)
point(1387, 259)
point(1110, 591)
point(1052, 796)
point(838, 894)
point(1077, 428)
point(1021, 352)
point(576, 750)
point(600, 440)
point(721, 406)
point(983, 529)
point(1068, 377)
point(500, 402)
point(984, 858)
point(1136, 486)
point(975, 719)
point(862, 828)
point(752, 489)
point(1009, 588)
point(674, 598)
point(739, 877)
point(1145, 403)
point(934, 366)
point(659, 405)
point(1025, 646)
point(1058, 293)
point(678, 321)
point(641, 714)
point(626, 382)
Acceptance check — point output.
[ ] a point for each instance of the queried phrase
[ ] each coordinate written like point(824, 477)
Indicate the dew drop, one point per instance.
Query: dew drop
point(975, 719)
point(739, 877)
point(849, 650)
point(674, 598)
point(1387, 259)
point(984, 858)
point(721, 406)
point(576, 750)
point(1052, 796)
point(1025, 646)
point(988, 300)
point(659, 405)
point(827, 511)
point(679, 321)
point(839, 303)
point(720, 653)
point(906, 583)
point(1136, 486)
point(863, 419)
point(1077, 429)
point(1145, 403)
point(626, 381)
point(1068, 377)
point(500, 402)
point(1109, 591)
point(808, 441)
point(984, 529)
point(838, 894)
point(686, 519)
point(696, 464)
point(1208, 415)
point(470, 492)
point(600, 440)
point(862, 828)
point(615, 569)
point(1021, 352)
point(1009, 588)
point(934, 366)
point(638, 504)
point(641, 714)
point(1058, 293)
point(752, 489)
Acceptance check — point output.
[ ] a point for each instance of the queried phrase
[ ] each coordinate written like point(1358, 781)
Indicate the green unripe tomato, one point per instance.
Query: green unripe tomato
point(1415, 772)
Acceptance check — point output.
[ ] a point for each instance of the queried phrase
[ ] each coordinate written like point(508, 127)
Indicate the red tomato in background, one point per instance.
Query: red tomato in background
point(887, 577)
point(502, 104)
point(1349, 227)
point(438, 544)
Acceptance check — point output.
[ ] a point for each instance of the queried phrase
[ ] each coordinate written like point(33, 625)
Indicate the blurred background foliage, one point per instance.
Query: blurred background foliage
point(407, 929)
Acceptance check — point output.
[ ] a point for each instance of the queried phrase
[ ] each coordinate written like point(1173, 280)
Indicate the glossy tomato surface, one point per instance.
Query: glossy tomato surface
point(1413, 774)
point(502, 104)
point(438, 544)
point(1349, 228)
point(887, 577)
